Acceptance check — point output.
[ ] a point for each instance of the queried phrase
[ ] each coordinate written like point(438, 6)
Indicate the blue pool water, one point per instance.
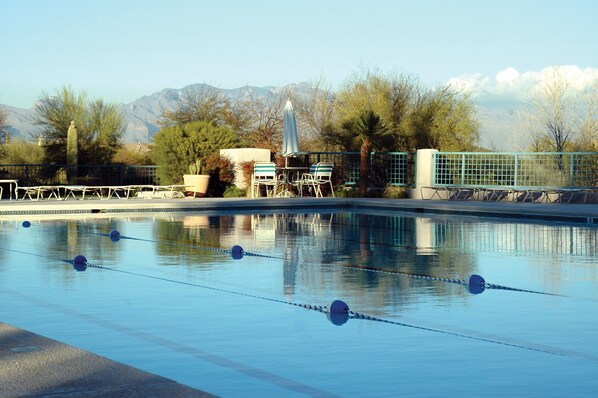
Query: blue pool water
point(167, 303)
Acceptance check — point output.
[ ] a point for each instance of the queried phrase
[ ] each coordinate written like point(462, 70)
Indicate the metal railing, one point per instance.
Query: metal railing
point(572, 170)
point(575, 170)
point(50, 174)
point(386, 168)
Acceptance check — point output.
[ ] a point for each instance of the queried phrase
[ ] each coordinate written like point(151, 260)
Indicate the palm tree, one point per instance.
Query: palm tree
point(365, 129)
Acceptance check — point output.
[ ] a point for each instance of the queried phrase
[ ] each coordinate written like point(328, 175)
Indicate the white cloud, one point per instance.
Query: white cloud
point(508, 76)
point(511, 84)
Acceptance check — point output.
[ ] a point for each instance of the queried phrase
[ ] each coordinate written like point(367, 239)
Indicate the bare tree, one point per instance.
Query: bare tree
point(552, 116)
point(315, 112)
point(265, 118)
point(205, 104)
point(4, 135)
point(588, 125)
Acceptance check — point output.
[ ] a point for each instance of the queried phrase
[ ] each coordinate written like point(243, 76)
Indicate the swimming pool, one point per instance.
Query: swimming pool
point(163, 300)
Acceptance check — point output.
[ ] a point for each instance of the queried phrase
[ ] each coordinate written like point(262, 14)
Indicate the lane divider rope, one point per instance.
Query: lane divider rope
point(338, 311)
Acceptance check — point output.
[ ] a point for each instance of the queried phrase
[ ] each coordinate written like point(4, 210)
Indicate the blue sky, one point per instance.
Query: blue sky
point(120, 50)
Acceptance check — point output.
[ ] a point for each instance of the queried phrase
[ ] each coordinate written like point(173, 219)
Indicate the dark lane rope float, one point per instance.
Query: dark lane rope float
point(338, 311)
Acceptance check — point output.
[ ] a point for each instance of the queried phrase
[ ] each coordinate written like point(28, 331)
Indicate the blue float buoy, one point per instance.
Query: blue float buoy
point(476, 284)
point(236, 252)
point(475, 289)
point(337, 319)
point(477, 280)
point(80, 263)
point(338, 312)
point(26, 224)
point(114, 235)
point(338, 307)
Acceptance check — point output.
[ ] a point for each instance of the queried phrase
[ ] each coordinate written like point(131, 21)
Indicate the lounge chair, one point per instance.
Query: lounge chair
point(38, 192)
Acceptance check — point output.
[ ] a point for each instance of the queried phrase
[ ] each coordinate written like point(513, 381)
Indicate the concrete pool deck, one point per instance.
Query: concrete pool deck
point(32, 365)
point(573, 212)
point(35, 366)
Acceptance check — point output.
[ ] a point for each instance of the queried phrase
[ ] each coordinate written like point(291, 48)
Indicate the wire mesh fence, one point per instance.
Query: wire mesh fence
point(466, 169)
point(516, 170)
point(386, 168)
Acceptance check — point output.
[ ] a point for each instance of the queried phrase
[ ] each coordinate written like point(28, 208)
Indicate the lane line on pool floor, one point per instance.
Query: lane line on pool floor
point(223, 362)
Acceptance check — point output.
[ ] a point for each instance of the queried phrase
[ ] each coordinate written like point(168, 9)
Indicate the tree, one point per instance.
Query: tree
point(19, 151)
point(365, 129)
point(563, 113)
point(205, 103)
point(315, 115)
point(443, 119)
point(176, 147)
point(4, 136)
point(265, 117)
point(588, 126)
point(100, 127)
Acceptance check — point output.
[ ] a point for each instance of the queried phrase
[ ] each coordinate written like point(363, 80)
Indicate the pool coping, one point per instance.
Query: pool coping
point(33, 365)
point(570, 212)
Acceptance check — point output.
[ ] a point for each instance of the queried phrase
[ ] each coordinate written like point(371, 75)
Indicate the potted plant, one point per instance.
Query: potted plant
point(196, 183)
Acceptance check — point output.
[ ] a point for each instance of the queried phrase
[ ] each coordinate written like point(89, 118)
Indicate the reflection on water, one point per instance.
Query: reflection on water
point(321, 250)
point(161, 282)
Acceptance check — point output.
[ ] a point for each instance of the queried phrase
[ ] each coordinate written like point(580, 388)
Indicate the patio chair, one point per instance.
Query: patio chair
point(264, 175)
point(301, 181)
point(321, 175)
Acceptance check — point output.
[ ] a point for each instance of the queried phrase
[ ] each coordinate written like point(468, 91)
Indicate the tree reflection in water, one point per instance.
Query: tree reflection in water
point(325, 243)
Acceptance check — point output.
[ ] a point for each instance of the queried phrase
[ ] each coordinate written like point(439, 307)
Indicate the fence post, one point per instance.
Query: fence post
point(571, 171)
point(515, 178)
point(462, 169)
point(425, 170)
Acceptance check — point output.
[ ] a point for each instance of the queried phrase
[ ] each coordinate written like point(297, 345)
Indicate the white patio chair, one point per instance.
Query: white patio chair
point(264, 174)
point(302, 179)
point(321, 175)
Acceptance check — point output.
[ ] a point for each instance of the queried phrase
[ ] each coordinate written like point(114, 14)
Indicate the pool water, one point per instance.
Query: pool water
point(163, 300)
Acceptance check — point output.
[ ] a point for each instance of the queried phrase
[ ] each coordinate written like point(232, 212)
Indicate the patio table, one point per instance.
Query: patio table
point(291, 176)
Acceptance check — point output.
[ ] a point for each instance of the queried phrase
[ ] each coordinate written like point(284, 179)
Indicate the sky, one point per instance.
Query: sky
point(121, 50)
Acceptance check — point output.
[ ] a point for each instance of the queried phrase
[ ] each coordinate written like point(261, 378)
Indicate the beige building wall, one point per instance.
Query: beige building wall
point(238, 155)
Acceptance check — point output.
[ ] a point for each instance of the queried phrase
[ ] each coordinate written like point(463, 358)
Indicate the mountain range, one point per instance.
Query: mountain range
point(497, 117)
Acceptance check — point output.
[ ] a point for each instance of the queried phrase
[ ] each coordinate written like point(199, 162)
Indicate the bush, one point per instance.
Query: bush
point(391, 192)
point(234, 192)
point(133, 155)
point(347, 192)
point(222, 174)
point(19, 151)
point(176, 147)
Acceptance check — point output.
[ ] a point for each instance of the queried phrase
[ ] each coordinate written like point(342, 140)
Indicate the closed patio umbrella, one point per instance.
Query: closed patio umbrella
point(290, 141)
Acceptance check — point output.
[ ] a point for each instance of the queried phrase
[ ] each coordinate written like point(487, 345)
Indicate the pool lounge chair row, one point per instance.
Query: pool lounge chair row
point(521, 194)
point(63, 192)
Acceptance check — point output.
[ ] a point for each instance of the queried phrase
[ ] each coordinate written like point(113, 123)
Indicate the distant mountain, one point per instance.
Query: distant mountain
point(497, 117)
point(499, 125)
point(20, 122)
